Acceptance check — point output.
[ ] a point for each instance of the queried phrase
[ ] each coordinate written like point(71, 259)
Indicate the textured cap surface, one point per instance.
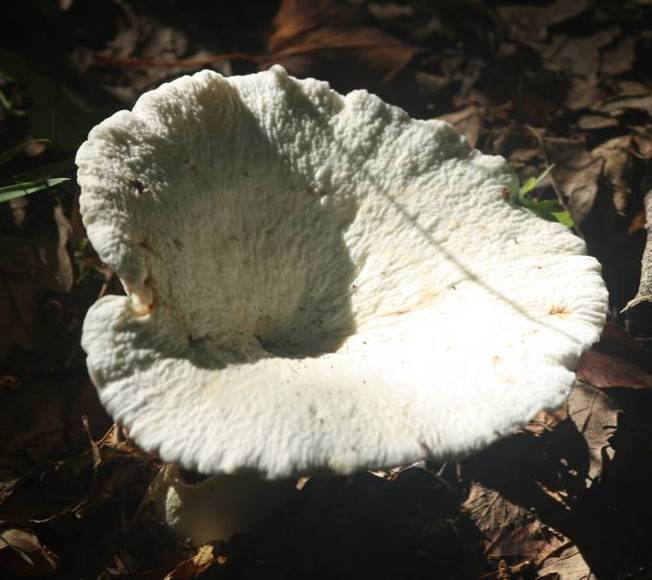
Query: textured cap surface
point(319, 282)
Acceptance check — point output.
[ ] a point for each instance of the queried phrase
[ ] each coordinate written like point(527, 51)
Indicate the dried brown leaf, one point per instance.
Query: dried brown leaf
point(42, 420)
point(583, 93)
point(390, 11)
point(7, 487)
point(15, 325)
point(576, 60)
point(435, 90)
point(539, 98)
point(605, 371)
point(589, 122)
point(576, 174)
point(566, 563)
point(530, 23)
point(22, 553)
point(579, 56)
point(30, 264)
point(630, 88)
point(165, 48)
point(335, 41)
point(53, 253)
point(515, 142)
point(619, 166)
point(614, 336)
point(618, 59)
point(468, 122)
point(116, 468)
point(55, 492)
point(638, 223)
point(620, 104)
point(509, 530)
point(642, 143)
point(545, 421)
point(193, 567)
point(595, 416)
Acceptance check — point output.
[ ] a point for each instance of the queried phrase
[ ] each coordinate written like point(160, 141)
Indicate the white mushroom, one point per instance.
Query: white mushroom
point(318, 283)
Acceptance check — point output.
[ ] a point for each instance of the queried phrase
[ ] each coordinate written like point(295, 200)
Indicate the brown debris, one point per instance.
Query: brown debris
point(545, 421)
point(22, 554)
point(619, 58)
point(594, 415)
point(622, 161)
point(147, 50)
point(565, 563)
point(328, 39)
point(578, 56)
point(201, 562)
point(468, 122)
point(510, 531)
point(620, 104)
point(605, 371)
point(589, 122)
point(530, 23)
point(34, 259)
point(42, 420)
point(575, 174)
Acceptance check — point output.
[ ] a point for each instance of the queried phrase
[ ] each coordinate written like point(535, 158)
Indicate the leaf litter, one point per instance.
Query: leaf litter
point(568, 497)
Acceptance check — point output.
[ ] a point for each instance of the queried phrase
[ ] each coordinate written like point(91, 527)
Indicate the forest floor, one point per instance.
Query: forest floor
point(562, 83)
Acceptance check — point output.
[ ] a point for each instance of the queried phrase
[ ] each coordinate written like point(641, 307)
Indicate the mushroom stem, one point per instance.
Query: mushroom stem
point(217, 507)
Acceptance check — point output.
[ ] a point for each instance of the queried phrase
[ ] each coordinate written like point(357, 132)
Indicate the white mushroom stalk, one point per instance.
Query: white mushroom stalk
point(318, 282)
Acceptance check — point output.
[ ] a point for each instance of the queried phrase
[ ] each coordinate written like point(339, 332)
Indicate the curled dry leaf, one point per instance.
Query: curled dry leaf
point(644, 293)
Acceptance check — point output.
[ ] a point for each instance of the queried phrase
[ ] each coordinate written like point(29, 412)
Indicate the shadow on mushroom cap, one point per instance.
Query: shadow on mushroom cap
point(319, 282)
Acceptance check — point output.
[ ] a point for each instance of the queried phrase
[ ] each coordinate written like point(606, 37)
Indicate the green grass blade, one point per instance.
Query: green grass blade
point(533, 182)
point(28, 187)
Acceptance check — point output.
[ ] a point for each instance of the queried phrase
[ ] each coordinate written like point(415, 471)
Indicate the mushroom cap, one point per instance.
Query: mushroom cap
point(318, 282)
